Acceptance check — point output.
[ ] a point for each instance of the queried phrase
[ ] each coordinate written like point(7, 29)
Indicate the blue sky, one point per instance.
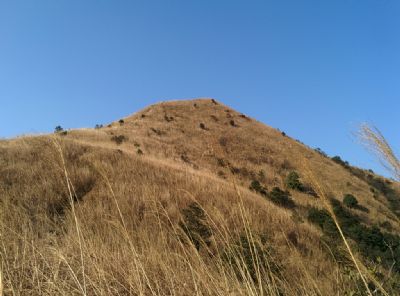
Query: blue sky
point(314, 69)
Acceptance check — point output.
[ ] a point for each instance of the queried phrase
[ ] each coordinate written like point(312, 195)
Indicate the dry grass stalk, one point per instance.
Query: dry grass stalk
point(71, 194)
point(1, 282)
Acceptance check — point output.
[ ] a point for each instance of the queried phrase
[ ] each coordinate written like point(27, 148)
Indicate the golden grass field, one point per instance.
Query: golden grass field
point(83, 215)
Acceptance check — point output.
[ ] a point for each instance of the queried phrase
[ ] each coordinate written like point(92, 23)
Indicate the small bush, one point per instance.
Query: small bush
point(121, 122)
point(372, 243)
point(58, 129)
point(203, 126)
point(232, 123)
point(223, 141)
point(338, 160)
point(350, 201)
point(215, 118)
point(139, 152)
point(98, 126)
point(185, 158)
point(292, 181)
point(317, 216)
point(257, 187)
point(321, 152)
point(195, 226)
point(119, 139)
point(281, 198)
point(157, 131)
point(235, 170)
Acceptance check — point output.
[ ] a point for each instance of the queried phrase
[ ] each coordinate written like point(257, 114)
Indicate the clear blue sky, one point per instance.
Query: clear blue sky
point(315, 69)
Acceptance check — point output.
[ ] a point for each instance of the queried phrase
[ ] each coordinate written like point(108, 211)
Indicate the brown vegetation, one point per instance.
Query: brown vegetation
point(80, 215)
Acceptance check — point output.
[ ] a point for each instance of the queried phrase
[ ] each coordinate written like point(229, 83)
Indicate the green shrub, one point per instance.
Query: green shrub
point(338, 160)
point(350, 201)
point(378, 185)
point(257, 187)
point(292, 181)
point(119, 139)
point(281, 198)
point(321, 152)
point(317, 216)
point(323, 219)
point(58, 129)
point(195, 226)
point(372, 243)
point(121, 122)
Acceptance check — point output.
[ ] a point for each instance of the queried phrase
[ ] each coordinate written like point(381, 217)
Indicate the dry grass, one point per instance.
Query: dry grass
point(80, 215)
point(375, 141)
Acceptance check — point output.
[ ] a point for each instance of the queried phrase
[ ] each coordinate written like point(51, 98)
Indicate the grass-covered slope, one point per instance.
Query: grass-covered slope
point(186, 198)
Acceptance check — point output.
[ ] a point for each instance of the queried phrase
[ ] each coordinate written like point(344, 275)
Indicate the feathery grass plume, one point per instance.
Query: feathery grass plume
point(374, 140)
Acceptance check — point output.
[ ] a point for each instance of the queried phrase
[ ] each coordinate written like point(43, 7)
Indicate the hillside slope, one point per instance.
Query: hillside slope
point(182, 198)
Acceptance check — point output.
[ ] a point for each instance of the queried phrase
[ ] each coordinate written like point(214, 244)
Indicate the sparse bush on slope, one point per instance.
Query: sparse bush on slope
point(292, 181)
point(257, 187)
point(281, 198)
point(119, 139)
point(194, 224)
point(382, 248)
point(58, 129)
point(350, 201)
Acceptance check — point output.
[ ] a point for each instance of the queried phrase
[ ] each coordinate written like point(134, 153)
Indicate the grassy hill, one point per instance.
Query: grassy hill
point(191, 198)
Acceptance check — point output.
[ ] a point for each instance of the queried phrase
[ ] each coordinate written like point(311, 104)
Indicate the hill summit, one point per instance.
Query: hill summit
point(191, 197)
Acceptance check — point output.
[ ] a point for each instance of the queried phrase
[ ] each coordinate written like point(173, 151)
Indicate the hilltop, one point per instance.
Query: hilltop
point(189, 197)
